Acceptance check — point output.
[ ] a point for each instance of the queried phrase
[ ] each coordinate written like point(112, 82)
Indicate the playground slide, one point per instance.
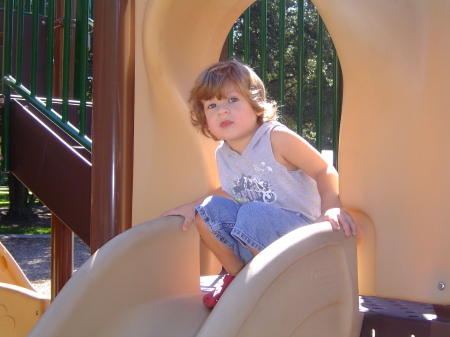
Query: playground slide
point(145, 282)
point(20, 305)
point(393, 167)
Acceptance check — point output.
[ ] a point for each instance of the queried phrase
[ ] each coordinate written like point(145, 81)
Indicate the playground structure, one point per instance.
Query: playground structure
point(393, 172)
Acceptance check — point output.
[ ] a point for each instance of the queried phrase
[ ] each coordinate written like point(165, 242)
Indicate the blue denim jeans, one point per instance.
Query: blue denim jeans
point(254, 224)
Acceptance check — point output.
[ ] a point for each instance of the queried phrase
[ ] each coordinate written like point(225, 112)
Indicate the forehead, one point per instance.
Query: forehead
point(225, 91)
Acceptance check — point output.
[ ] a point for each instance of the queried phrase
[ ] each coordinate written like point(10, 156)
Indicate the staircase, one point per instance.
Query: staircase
point(51, 165)
point(47, 119)
point(46, 159)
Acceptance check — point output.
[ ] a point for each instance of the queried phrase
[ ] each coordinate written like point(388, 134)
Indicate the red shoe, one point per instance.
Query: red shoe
point(210, 299)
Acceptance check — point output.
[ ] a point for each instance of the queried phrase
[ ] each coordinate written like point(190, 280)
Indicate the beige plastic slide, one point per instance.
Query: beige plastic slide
point(146, 282)
point(21, 306)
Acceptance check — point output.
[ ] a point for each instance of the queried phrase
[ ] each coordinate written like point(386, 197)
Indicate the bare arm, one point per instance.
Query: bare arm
point(187, 210)
point(294, 152)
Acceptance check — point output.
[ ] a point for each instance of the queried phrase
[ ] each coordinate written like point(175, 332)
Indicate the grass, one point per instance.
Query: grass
point(4, 197)
point(15, 229)
point(4, 229)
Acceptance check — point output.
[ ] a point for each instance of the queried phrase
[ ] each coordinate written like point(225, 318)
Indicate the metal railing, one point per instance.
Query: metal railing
point(57, 35)
point(288, 44)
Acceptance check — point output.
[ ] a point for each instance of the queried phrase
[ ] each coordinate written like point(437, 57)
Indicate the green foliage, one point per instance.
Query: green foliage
point(4, 198)
point(299, 81)
point(15, 229)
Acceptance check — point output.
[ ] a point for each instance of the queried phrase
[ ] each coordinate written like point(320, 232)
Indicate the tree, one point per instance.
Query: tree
point(291, 106)
point(20, 201)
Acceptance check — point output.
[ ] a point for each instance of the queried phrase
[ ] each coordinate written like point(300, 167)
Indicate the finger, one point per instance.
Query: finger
point(186, 225)
point(353, 227)
point(344, 225)
point(351, 224)
point(346, 229)
point(335, 224)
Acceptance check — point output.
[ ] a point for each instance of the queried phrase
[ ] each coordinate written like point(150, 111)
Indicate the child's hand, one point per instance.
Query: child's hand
point(339, 218)
point(186, 211)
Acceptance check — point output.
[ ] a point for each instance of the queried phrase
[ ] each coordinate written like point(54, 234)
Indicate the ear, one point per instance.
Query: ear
point(259, 113)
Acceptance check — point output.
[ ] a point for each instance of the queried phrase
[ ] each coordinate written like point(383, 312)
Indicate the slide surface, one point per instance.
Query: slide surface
point(146, 282)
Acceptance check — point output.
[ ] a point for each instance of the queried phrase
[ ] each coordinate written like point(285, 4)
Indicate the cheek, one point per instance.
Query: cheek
point(209, 122)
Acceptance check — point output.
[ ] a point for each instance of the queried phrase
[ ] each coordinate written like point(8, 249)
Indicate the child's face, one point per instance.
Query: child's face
point(231, 118)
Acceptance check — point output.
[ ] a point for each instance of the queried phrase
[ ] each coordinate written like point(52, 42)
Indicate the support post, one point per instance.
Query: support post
point(61, 255)
point(112, 138)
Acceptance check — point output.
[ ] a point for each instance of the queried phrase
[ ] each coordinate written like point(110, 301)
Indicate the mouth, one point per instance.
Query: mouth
point(225, 123)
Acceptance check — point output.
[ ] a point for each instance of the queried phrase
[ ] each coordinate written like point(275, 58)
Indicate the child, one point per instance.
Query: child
point(272, 180)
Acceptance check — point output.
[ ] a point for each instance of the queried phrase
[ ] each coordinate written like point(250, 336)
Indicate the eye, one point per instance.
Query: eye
point(233, 99)
point(211, 106)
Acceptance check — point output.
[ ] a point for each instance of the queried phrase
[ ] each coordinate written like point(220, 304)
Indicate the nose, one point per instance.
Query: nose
point(223, 109)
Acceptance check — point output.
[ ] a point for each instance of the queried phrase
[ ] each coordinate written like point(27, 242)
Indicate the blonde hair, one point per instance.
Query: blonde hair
point(212, 83)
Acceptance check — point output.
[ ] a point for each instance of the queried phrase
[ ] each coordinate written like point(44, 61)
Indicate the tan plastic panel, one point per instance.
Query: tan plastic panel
point(20, 305)
point(173, 163)
point(175, 41)
point(394, 159)
point(144, 282)
point(10, 271)
point(20, 309)
point(303, 285)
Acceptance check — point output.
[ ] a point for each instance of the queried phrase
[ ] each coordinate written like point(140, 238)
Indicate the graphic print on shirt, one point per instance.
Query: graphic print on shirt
point(248, 188)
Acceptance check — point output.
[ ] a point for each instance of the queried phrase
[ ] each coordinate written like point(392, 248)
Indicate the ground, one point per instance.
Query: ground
point(42, 218)
point(33, 253)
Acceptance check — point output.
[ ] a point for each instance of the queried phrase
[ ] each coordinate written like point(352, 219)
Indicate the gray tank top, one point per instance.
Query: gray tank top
point(255, 175)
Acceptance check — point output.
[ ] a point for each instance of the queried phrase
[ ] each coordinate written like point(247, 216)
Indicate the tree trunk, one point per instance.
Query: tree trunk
point(20, 201)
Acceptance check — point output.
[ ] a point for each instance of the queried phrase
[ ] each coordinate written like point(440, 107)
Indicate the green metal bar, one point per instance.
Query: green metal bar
point(6, 111)
point(6, 131)
point(300, 64)
point(281, 50)
point(49, 59)
point(247, 36)
point(42, 9)
point(81, 60)
point(34, 46)
point(54, 116)
point(319, 80)
point(91, 9)
point(337, 105)
point(263, 39)
point(19, 46)
point(230, 44)
point(66, 62)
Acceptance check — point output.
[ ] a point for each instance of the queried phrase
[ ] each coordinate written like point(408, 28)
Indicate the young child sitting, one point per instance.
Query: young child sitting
point(272, 180)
